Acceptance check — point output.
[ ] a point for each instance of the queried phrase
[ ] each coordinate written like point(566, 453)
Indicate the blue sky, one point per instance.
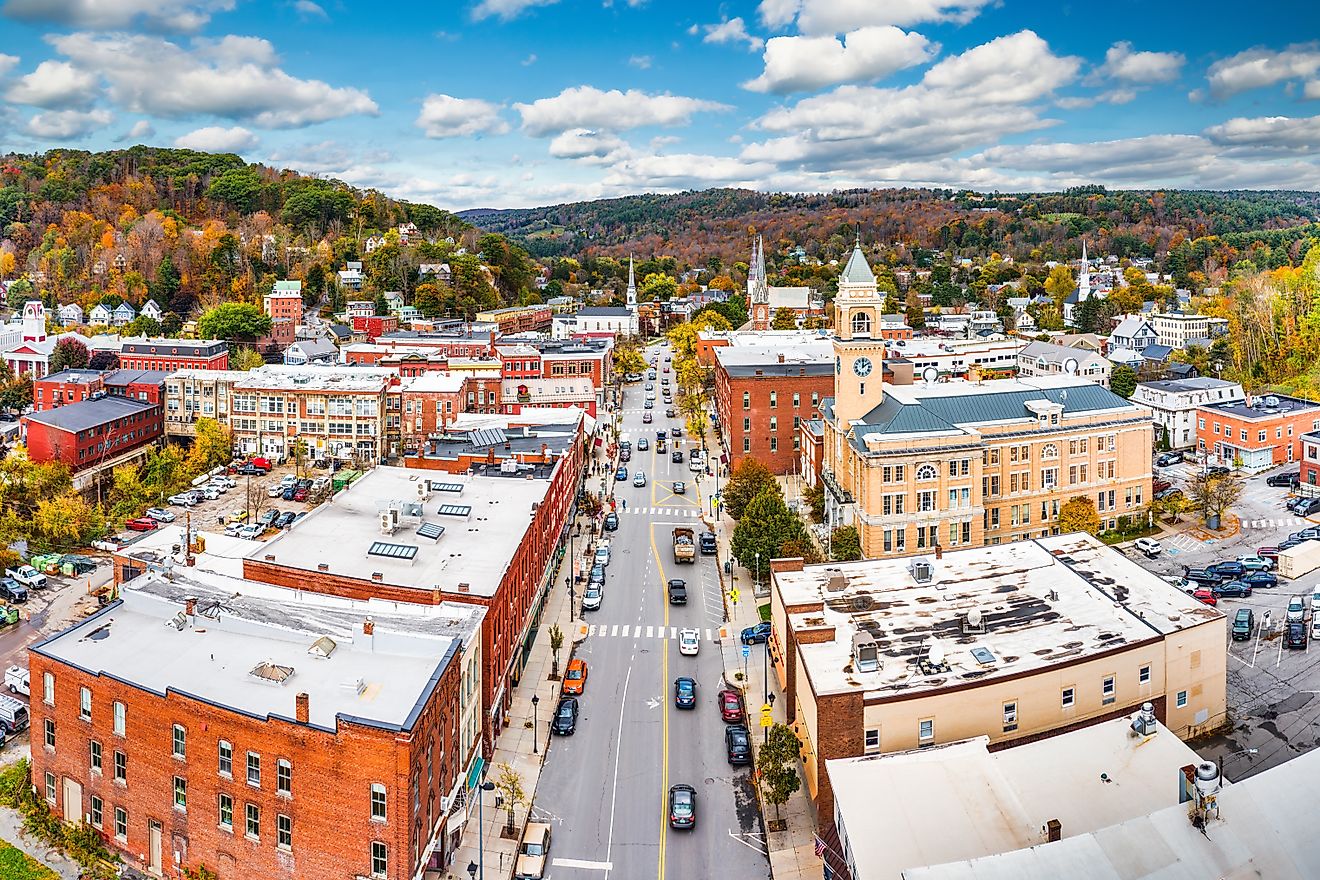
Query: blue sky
point(527, 102)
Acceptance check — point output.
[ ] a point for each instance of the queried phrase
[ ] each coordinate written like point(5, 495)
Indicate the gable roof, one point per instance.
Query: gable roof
point(315, 347)
point(1133, 326)
point(858, 271)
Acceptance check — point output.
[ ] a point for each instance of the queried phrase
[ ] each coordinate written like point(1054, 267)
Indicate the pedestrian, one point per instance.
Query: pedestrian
point(625, 504)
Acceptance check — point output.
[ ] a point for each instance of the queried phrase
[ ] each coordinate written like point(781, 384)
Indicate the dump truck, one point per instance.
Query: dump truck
point(685, 545)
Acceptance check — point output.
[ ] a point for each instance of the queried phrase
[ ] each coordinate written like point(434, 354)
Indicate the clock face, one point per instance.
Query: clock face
point(862, 367)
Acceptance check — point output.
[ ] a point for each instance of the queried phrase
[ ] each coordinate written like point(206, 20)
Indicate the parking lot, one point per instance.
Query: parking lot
point(1272, 690)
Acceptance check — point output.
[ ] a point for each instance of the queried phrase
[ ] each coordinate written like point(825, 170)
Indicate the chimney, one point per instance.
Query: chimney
point(301, 709)
point(190, 606)
point(939, 552)
point(781, 357)
point(368, 627)
point(1053, 831)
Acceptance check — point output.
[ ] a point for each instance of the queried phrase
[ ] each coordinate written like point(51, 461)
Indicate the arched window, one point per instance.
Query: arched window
point(1049, 451)
point(861, 324)
point(927, 472)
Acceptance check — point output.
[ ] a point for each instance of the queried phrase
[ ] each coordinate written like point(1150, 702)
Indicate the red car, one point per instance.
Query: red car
point(1205, 596)
point(300, 495)
point(731, 706)
point(143, 524)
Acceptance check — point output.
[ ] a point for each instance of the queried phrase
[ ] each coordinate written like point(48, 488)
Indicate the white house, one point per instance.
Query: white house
point(71, 315)
point(311, 351)
point(1045, 359)
point(100, 315)
point(351, 275)
point(605, 319)
point(1174, 404)
point(1134, 333)
point(374, 242)
point(151, 310)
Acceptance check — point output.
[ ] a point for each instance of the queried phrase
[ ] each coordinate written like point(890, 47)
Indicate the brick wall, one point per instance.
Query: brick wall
point(839, 734)
point(753, 423)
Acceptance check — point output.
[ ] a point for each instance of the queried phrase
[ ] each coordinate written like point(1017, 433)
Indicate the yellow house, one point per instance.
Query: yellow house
point(1014, 642)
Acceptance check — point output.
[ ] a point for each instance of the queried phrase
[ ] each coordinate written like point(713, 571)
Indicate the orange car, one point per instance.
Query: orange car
point(575, 677)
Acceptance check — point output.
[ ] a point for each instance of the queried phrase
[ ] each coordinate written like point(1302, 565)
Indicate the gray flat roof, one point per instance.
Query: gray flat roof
point(1192, 383)
point(1043, 600)
point(381, 680)
point(86, 414)
point(1283, 404)
point(475, 549)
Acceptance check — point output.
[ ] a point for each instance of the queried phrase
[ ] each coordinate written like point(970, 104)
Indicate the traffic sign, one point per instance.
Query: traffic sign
point(766, 719)
point(746, 651)
point(733, 595)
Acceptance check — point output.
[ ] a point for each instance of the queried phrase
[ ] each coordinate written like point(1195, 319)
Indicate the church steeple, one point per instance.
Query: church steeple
point(758, 288)
point(1084, 277)
point(632, 285)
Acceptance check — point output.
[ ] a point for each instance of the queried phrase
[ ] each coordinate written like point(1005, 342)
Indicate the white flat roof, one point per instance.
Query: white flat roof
point(962, 801)
point(327, 378)
point(817, 352)
point(434, 380)
point(221, 554)
point(239, 625)
point(483, 525)
point(918, 391)
point(1043, 601)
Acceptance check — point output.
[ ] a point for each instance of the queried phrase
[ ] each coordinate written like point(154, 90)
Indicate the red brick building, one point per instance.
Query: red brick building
point(518, 319)
point(174, 354)
point(246, 739)
point(147, 385)
point(762, 395)
point(372, 326)
point(88, 433)
point(1258, 433)
point(428, 403)
point(66, 386)
point(284, 305)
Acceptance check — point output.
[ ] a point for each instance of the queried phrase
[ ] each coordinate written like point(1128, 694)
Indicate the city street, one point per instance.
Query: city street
point(605, 788)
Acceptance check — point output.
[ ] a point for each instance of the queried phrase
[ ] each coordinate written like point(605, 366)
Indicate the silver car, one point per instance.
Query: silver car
point(592, 598)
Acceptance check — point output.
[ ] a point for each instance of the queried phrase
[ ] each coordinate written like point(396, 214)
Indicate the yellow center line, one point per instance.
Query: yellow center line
point(664, 683)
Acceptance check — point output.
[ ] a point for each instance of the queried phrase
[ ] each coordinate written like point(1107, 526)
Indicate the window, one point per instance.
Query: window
point(747, 400)
point(377, 802)
point(873, 740)
point(121, 767)
point(747, 444)
point(1182, 699)
point(797, 400)
point(1107, 689)
point(226, 759)
point(95, 748)
point(48, 688)
point(1143, 675)
point(379, 859)
point(926, 731)
point(180, 741)
point(97, 806)
point(180, 793)
point(50, 734)
point(226, 812)
point(925, 501)
point(283, 777)
point(253, 821)
point(1068, 698)
point(927, 472)
point(50, 786)
point(1010, 716)
point(1049, 451)
point(774, 399)
point(85, 704)
point(119, 718)
point(253, 768)
point(283, 832)
point(121, 824)
point(861, 324)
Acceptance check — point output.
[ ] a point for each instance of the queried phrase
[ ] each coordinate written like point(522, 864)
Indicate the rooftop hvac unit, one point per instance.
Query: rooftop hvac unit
point(423, 489)
point(509, 466)
point(922, 571)
point(389, 521)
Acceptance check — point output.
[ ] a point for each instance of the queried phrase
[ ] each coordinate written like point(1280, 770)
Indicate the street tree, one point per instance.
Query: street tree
point(1123, 381)
point(509, 783)
point(776, 765)
point(749, 478)
point(765, 527)
point(556, 645)
point(1078, 514)
point(234, 321)
point(845, 544)
point(1215, 493)
point(784, 319)
point(69, 354)
point(627, 358)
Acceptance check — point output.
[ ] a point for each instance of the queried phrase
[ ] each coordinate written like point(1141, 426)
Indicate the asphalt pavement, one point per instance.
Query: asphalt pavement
point(605, 788)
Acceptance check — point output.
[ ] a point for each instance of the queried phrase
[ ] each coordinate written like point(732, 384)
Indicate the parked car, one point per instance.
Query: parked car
point(1159, 485)
point(1288, 480)
point(639, 479)
point(593, 596)
point(625, 455)
point(141, 524)
point(534, 853)
point(1306, 506)
point(160, 514)
point(1206, 596)
point(1255, 563)
point(611, 522)
point(1244, 623)
point(251, 532)
point(731, 706)
point(1296, 609)
point(708, 543)
point(621, 475)
point(268, 518)
point(682, 807)
point(1269, 553)
point(679, 487)
point(1260, 579)
point(597, 575)
point(232, 529)
point(566, 715)
point(17, 680)
point(1149, 546)
point(288, 492)
point(689, 642)
point(602, 556)
point(1202, 576)
point(1181, 583)
point(284, 520)
point(1227, 570)
point(685, 692)
point(184, 499)
point(754, 634)
point(738, 745)
point(1164, 459)
point(1217, 471)
point(575, 678)
point(12, 591)
point(301, 493)
point(1295, 635)
point(1232, 590)
point(1168, 493)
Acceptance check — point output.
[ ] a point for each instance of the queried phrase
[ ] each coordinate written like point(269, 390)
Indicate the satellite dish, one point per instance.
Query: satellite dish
point(930, 375)
point(935, 656)
point(1070, 365)
point(974, 618)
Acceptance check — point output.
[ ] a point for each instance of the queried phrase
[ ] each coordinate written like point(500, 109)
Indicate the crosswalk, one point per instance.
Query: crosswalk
point(1285, 522)
point(690, 512)
point(637, 631)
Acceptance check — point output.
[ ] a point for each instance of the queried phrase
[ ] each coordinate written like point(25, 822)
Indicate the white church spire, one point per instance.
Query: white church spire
point(1084, 278)
point(632, 285)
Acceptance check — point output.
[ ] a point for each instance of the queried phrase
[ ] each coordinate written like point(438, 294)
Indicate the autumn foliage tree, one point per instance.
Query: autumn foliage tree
point(1078, 514)
point(69, 354)
point(749, 478)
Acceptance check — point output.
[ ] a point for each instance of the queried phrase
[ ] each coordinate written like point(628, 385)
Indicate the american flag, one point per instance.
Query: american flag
point(820, 846)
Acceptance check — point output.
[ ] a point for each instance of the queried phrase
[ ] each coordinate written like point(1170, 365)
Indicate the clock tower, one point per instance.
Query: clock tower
point(859, 351)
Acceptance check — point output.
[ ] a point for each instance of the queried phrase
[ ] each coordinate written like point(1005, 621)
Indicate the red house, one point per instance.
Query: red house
point(66, 386)
point(91, 432)
point(174, 354)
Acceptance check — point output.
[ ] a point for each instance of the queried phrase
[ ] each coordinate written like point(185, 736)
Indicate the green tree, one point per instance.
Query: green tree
point(244, 358)
point(845, 544)
point(765, 527)
point(234, 321)
point(556, 645)
point(627, 359)
point(815, 497)
point(382, 306)
point(69, 354)
point(1123, 380)
point(749, 478)
point(1078, 514)
point(212, 445)
point(168, 281)
point(20, 291)
point(784, 319)
point(129, 496)
point(510, 786)
point(1215, 494)
point(657, 287)
point(709, 319)
point(776, 765)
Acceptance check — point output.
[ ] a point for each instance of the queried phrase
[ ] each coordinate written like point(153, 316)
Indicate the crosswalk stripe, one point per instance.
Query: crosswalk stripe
point(648, 632)
point(615, 631)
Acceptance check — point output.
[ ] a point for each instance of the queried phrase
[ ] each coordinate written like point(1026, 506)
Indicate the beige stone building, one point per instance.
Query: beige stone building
point(1015, 643)
point(967, 463)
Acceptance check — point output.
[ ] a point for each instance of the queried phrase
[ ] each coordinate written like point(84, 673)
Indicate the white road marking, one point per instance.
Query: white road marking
point(583, 863)
point(614, 789)
point(648, 632)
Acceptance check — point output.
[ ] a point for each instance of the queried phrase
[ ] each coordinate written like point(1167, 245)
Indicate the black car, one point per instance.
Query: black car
point(1290, 543)
point(738, 744)
point(611, 522)
point(661, 434)
point(1244, 622)
point(676, 456)
point(1232, 590)
point(12, 591)
point(625, 455)
point(1307, 506)
point(677, 592)
point(708, 543)
point(1217, 471)
point(1202, 576)
point(565, 720)
point(597, 575)
point(685, 693)
point(1227, 570)
point(1255, 579)
point(1164, 459)
point(682, 807)
point(1295, 635)
point(285, 519)
point(1288, 479)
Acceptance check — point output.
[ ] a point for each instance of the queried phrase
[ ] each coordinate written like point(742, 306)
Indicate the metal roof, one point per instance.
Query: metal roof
point(858, 271)
point(86, 414)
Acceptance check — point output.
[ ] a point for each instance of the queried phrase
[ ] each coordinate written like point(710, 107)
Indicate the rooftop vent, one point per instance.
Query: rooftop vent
point(865, 653)
point(354, 685)
point(837, 583)
point(1143, 723)
point(322, 647)
point(270, 672)
point(921, 570)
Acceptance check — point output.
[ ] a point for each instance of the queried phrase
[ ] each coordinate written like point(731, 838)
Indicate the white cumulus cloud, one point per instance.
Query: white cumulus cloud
point(1256, 68)
point(54, 84)
point(167, 15)
point(1122, 63)
point(732, 30)
point(588, 145)
point(215, 139)
point(444, 116)
point(65, 124)
point(141, 130)
point(1270, 132)
point(613, 110)
point(506, 10)
point(797, 64)
point(838, 16)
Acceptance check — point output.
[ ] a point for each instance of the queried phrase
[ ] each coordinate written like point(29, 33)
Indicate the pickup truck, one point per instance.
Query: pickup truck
point(16, 679)
point(27, 576)
point(685, 547)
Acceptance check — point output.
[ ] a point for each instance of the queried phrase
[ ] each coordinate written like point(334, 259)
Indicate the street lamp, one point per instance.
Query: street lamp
point(757, 582)
point(472, 870)
point(481, 830)
point(535, 700)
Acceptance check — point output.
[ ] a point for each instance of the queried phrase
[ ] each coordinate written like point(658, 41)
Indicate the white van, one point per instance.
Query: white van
point(1296, 609)
point(16, 679)
point(13, 714)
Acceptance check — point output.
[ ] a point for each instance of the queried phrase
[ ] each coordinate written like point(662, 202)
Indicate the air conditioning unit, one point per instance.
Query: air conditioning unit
point(446, 804)
point(423, 489)
point(922, 571)
point(389, 521)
